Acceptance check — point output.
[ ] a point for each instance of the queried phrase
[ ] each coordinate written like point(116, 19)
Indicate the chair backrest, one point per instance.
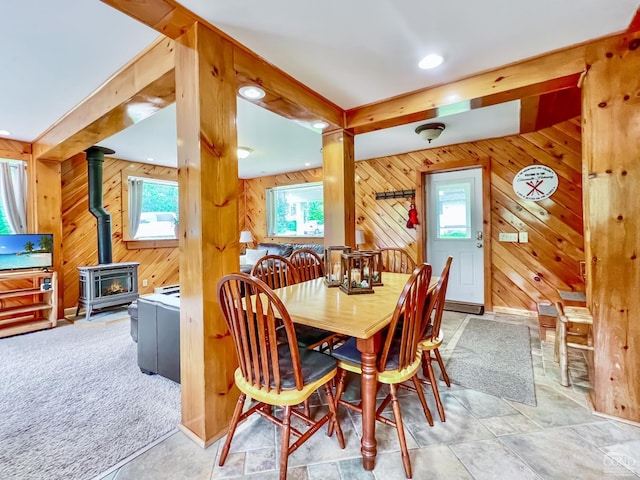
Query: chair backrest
point(254, 331)
point(436, 302)
point(397, 260)
point(308, 264)
point(275, 271)
point(405, 330)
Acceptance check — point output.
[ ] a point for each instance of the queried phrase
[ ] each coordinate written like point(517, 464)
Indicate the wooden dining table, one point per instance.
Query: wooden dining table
point(361, 316)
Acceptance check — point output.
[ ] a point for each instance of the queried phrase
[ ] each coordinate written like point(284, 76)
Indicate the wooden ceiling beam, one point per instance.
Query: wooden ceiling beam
point(537, 75)
point(549, 109)
point(141, 88)
point(285, 95)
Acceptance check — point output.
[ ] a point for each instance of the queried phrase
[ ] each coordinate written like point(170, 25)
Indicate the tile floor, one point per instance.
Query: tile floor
point(484, 437)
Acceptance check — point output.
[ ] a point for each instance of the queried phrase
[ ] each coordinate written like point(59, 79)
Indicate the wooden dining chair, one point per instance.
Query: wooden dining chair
point(399, 358)
point(308, 264)
point(272, 373)
point(275, 271)
point(433, 337)
point(397, 260)
point(573, 330)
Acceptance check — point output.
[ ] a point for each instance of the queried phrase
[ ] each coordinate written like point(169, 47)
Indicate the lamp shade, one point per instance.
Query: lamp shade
point(245, 236)
point(360, 237)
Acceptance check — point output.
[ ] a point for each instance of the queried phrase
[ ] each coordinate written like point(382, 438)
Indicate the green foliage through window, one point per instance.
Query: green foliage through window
point(295, 210)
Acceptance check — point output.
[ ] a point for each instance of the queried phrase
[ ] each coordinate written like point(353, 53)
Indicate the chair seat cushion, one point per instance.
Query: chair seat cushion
point(348, 352)
point(315, 365)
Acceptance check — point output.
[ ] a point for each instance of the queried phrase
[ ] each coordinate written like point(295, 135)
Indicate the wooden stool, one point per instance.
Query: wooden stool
point(568, 336)
point(572, 299)
point(547, 315)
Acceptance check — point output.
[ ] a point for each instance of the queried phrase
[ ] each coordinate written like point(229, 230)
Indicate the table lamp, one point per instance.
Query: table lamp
point(360, 238)
point(246, 237)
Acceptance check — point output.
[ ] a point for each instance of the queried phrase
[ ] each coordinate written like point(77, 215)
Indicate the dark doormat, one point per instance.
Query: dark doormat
point(472, 308)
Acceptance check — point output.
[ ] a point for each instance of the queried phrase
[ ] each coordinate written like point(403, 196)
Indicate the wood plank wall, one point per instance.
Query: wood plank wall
point(523, 274)
point(158, 265)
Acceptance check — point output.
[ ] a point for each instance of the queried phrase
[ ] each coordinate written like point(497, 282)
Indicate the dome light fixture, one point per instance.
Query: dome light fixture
point(430, 61)
point(244, 152)
point(430, 131)
point(251, 92)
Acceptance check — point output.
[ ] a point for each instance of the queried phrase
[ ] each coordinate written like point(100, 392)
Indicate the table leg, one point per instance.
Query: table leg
point(368, 379)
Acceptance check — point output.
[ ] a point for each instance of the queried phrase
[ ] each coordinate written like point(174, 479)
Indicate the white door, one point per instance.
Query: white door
point(454, 215)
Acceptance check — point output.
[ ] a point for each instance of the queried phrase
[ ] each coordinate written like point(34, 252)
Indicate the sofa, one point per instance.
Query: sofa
point(282, 249)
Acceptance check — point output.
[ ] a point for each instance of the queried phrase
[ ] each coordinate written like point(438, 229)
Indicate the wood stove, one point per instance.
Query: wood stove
point(107, 285)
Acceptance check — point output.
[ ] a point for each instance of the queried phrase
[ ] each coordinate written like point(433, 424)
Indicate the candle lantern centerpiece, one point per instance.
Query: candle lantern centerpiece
point(356, 273)
point(333, 265)
point(376, 273)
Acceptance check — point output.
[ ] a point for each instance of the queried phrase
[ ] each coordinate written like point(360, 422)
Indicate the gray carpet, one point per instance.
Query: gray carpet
point(73, 402)
point(494, 358)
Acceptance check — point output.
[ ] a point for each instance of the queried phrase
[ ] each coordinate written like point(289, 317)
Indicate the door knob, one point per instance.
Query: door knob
point(479, 244)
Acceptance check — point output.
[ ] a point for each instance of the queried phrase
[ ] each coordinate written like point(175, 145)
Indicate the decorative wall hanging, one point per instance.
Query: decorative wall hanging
point(535, 182)
point(413, 215)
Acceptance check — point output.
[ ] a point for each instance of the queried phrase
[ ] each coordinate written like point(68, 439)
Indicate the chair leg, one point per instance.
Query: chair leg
point(307, 410)
point(284, 446)
point(436, 392)
point(342, 374)
point(564, 361)
point(232, 428)
point(445, 377)
point(556, 343)
point(334, 415)
point(423, 401)
point(406, 460)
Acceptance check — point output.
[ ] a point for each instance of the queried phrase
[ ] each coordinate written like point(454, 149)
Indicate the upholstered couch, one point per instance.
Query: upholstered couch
point(282, 249)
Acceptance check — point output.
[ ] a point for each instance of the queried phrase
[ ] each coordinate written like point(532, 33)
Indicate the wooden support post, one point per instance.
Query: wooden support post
point(339, 189)
point(611, 142)
point(209, 233)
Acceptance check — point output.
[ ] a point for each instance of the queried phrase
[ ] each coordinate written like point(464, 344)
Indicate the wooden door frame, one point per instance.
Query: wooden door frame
point(421, 205)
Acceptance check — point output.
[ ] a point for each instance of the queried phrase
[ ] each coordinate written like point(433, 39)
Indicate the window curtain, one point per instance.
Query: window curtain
point(13, 188)
point(135, 204)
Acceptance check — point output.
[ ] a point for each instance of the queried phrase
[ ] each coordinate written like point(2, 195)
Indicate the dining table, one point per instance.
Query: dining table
point(362, 316)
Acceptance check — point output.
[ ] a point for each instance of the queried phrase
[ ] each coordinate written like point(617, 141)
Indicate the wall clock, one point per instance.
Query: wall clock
point(535, 182)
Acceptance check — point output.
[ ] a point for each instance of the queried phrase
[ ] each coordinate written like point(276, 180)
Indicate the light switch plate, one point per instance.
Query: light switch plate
point(523, 237)
point(508, 237)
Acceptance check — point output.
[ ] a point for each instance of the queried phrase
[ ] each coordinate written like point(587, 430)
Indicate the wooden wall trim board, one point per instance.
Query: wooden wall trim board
point(421, 204)
point(15, 149)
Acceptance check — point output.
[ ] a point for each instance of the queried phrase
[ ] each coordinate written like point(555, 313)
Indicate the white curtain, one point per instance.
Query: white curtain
point(135, 204)
point(13, 187)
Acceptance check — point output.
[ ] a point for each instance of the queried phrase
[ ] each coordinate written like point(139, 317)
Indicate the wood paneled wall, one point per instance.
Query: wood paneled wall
point(158, 265)
point(522, 274)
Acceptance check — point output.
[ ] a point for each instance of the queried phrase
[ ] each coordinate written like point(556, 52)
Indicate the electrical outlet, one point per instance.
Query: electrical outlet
point(145, 282)
point(523, 237)
point(508, 237)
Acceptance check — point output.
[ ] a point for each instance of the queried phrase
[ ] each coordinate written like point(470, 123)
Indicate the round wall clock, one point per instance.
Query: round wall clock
point(535, 182)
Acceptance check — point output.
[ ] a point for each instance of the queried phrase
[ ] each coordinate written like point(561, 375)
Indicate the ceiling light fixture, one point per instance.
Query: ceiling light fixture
point(320, 124)
point(307, 164)
point(251, 92)
point(5, 132)
point(430, 131)
point(244, 152)
point(430, 61)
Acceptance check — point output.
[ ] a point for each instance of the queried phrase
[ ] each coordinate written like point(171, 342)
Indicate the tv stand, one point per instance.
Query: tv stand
point(24, 305)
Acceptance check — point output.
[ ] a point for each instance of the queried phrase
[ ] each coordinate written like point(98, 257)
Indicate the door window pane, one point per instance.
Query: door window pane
point(454, 210)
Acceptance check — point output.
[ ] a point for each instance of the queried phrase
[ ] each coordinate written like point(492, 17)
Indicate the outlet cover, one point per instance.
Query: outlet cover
point(523, 237)
point(145, 282)
point(508, 237)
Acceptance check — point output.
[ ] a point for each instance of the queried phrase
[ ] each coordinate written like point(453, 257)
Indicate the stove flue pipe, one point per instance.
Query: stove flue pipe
point(95, 160)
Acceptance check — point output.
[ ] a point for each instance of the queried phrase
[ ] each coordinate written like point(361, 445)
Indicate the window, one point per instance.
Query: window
point(152, 208)
point(454, 210)
point(295, 210)
point(13, 196)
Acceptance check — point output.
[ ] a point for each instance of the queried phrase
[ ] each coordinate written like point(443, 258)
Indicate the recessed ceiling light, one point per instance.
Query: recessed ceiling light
point(252, 93)
point(150, 159)
point(5, 132)
point(320, 124)
point(430, 61)
point(307, 164)
point(244, 152)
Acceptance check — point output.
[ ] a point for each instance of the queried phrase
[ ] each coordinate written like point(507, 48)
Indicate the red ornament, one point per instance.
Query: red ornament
point(413, 217)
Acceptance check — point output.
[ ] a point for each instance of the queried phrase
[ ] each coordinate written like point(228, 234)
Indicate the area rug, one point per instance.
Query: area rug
point(495, 358)
point(73, 402)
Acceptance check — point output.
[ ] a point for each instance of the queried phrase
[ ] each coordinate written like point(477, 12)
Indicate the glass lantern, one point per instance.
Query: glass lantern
point(333, 265)
point(376, 273)
point(356, 273)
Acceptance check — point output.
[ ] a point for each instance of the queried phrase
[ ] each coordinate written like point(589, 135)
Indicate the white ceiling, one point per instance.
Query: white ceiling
point(355, 52)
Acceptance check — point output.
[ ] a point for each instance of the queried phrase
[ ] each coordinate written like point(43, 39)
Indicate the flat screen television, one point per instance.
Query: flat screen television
point(29, 250)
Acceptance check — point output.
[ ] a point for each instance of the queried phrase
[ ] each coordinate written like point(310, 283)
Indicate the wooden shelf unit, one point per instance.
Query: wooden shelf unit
point(24, 307)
